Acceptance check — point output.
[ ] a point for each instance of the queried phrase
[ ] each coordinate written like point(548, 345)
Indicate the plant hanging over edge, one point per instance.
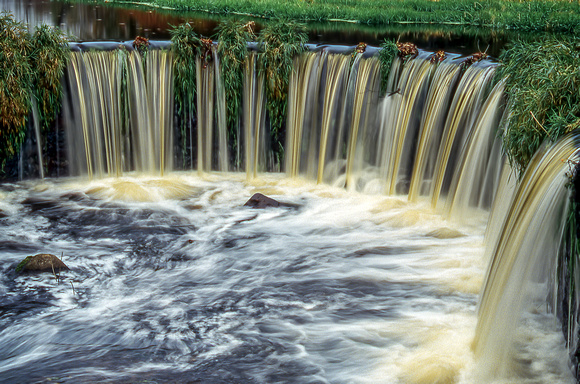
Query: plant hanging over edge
point(15, 92)
point(387, 54)
point(186, 45)
point(543, 89)
point(233, 38)
point(49, 56)
point(280, 42)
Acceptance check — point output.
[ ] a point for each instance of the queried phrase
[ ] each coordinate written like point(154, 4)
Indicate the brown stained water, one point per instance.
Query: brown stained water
point(173, 280)
point(91, 22)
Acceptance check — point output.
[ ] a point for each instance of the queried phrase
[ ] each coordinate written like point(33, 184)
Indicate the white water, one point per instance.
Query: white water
point(174, 280)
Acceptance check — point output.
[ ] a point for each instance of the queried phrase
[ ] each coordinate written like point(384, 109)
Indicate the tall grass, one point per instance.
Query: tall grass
point(233, 37)
point(387, 54)
point(543, 89)
point(15, 79)
point(29, 66)
point(280, 42)
point(186, 45)
point(49, 55)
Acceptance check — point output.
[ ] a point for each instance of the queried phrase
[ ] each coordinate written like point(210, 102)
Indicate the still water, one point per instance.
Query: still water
point(173, 280)
point(96, 22)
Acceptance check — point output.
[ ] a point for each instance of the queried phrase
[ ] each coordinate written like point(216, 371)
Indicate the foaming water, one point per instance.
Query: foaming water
point(173, 280)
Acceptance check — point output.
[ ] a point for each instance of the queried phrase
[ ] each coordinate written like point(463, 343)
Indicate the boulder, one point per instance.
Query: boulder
point(262, 201)
point(43, 262)
point(445, 233)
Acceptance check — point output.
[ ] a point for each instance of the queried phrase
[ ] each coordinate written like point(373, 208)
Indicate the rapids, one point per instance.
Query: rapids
point(173, 280)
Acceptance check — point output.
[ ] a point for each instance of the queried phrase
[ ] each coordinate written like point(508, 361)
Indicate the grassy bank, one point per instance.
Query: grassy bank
point(543, 89)
point(531, 15)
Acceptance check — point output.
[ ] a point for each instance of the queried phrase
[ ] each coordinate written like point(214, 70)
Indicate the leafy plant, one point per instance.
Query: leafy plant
point(186, 45)
point(280, 42)
point(233, 37)
point(15, 79)
point(543, 88)
point(49, 56)
point(387, 54)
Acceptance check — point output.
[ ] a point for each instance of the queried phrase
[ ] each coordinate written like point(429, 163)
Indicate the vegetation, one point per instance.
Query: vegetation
point(387, 54)
point(186, 45)
point(49, 55)
point(280, 42)
point(530, 15)
point(233, 38)
point(15, 92)
point(29, 66)
point(543, 89)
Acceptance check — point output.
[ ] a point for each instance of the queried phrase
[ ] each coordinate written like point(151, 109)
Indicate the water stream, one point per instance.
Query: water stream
point(410, 253)
point(174, 280)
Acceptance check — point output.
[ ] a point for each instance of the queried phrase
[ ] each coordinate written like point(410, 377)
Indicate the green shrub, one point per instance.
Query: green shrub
point(233, 37)
point(543, 89)
point(29, 66)
point(280, 42)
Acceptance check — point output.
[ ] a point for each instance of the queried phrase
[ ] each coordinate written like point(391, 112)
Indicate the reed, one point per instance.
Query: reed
point(280, 42)
point(233, 37)
point(186, 45)
point(49, 56)
point(543, 89)
point(30, 66)
point(387, 54)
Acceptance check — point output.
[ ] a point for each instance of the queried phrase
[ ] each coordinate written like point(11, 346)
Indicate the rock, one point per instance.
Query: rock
point(445, 233)
point(43, 262)
point(261, 201)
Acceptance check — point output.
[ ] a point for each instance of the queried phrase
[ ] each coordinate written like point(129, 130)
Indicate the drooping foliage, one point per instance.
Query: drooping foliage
point(15, 92)
point(280, 42)
point(49, 55)
point(233, 38)
point(543, 88)
point(387, 54)
point(29, 66)
point(186, 45)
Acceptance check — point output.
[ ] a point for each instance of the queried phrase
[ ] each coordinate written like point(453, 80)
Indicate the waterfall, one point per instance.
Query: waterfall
point(109, 131)
point(432, 137)
point(523, 253)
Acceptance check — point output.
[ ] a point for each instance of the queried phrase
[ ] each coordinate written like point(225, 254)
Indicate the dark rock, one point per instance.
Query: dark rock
point(43, 262)
point(262, 201)
point(3, 214)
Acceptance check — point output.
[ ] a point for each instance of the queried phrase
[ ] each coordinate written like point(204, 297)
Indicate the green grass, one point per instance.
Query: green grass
point(280, 42)
point(30, 66)
point(233, 37)
point(543, 89)
point(530, 15)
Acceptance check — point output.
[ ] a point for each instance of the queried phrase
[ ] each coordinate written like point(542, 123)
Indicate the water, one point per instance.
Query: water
point(173, 280)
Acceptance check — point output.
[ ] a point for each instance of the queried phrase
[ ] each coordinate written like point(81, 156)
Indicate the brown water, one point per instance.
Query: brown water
point(91, 22)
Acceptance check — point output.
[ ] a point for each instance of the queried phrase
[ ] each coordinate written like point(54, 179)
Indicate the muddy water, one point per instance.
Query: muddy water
point(174, 280)
point(90, 22)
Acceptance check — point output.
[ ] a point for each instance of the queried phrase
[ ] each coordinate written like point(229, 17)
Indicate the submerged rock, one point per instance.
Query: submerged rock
point(43, 262)
point(262, 201)
point(445, 233)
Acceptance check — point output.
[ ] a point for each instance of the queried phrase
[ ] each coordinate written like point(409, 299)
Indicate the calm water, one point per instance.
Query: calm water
point(89, 22)
point(173, 280)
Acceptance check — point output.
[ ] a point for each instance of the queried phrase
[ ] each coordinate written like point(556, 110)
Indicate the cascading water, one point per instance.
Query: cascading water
point(174, 280)
point(524, 255)
point(106, 139)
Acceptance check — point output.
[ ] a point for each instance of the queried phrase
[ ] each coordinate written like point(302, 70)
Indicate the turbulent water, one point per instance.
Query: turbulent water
point(173, 280)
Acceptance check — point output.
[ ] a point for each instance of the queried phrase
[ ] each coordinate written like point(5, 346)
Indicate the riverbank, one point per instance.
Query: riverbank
point(535, 15)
